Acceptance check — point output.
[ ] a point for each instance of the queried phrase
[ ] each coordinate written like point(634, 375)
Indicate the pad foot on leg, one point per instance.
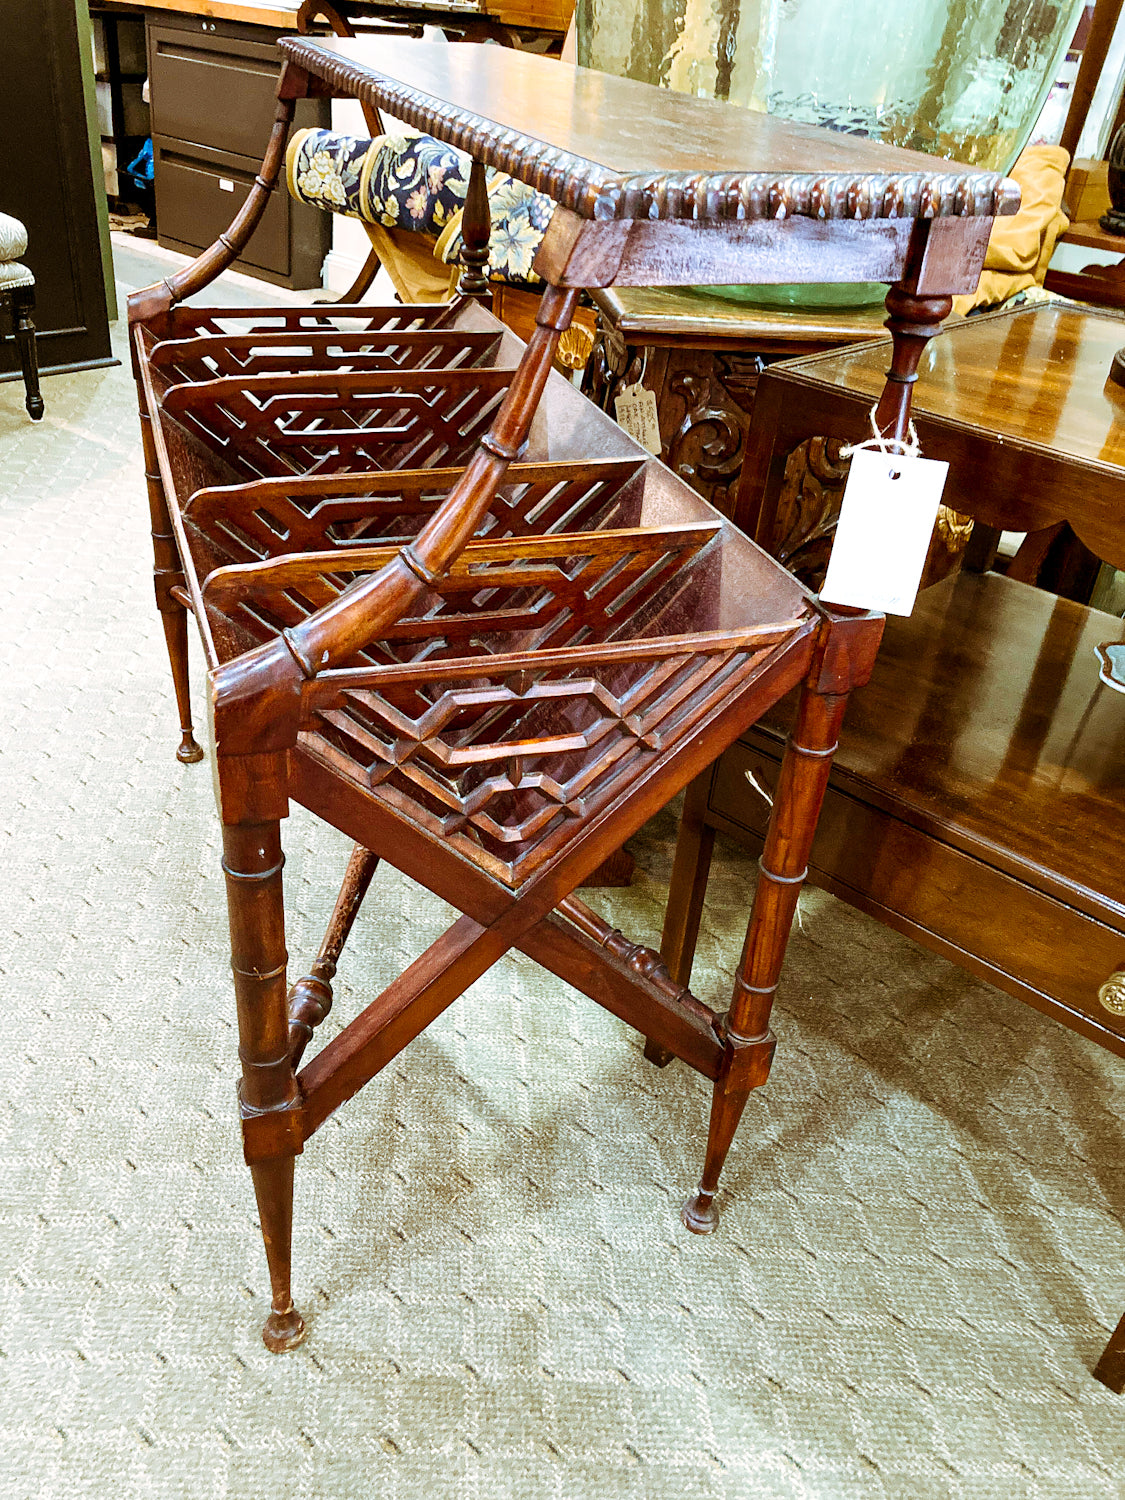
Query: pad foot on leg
point(699, 1213)
point(284, 1330)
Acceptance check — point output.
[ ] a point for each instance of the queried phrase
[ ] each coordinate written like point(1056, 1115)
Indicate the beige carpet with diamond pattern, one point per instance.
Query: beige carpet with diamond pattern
point(921, 1252)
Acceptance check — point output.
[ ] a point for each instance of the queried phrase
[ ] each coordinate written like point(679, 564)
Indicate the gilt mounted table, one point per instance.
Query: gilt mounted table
point(449, 607)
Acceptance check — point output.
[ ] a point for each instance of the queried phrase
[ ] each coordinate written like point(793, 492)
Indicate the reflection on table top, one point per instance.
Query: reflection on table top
point(1035, 376)
point(684, 315)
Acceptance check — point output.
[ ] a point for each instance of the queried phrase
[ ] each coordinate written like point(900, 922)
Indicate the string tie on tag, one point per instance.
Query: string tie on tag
point(889, 446)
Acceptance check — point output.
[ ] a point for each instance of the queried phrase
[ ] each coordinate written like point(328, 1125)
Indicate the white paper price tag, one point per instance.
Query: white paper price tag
point(886, 520)
point(635, 410)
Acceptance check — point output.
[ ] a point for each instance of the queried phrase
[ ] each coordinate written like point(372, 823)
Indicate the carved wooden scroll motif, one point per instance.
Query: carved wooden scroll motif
point(448, 606)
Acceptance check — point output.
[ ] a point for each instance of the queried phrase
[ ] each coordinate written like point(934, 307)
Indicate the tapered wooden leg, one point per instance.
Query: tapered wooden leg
point(749, 1042)
point(310, 999)
point(23, 329)
point(694, 846)
point(1110, 1369)
point(268, 1097)
point(168, 575)
point(273, 1188)
point(174, 620)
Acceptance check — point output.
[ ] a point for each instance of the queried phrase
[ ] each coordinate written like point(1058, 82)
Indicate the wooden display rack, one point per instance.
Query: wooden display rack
point(452, 609)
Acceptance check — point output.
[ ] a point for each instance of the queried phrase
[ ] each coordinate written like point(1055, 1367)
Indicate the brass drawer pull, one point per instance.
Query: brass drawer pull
point(1112, 993)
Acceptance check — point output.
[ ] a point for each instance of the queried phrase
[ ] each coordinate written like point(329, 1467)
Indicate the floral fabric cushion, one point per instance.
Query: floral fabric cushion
point(415, 182)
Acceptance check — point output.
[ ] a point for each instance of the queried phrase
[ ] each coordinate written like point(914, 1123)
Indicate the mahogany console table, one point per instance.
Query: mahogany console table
point(452, 609)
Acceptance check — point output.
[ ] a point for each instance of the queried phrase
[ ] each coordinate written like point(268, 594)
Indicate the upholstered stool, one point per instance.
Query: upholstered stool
point(17, 293)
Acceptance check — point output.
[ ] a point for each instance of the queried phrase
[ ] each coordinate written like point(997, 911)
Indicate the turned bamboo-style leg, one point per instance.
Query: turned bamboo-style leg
point(310, 999)
point(168, 575)
point(1110, 1369)
point(269, 1099)
point(695, 844)
point(783, 866)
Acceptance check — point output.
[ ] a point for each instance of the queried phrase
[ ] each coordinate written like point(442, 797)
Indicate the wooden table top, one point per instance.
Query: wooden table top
point(281, 15)
point(1089, 232)
point(612, 148)
point(1032, 376)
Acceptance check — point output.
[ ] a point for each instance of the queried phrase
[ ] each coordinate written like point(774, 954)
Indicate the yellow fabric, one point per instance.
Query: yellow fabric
point(1020, 247)
point(408, 259)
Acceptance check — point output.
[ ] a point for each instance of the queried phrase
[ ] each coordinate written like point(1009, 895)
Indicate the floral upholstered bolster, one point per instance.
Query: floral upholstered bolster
point(415, 182)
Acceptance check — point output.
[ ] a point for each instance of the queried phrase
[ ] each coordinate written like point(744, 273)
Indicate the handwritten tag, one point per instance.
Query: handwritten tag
point(886, 521)
point(635, 410)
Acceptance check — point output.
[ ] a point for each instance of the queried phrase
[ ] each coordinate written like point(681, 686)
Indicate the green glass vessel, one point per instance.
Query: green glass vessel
point(964, 79)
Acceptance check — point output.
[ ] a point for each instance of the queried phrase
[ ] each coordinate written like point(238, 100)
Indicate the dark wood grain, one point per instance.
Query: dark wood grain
point(611, 148)
point(976, 802)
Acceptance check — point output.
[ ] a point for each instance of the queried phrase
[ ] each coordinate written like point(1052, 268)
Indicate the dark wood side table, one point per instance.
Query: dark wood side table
point(1103, 285)
point(702, 356)
point(977, 799)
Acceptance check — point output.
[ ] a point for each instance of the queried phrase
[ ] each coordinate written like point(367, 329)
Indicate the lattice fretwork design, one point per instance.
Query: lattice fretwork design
point(297, 424)
point(519, 594)
point(261, 519)
point(512, 701)
point(508, 755)
point(574, 641)
point(283, 352)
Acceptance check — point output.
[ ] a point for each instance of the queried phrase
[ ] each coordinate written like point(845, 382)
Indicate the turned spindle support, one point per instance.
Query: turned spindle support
point(168, 576)
point(310, 998)
point(845, 658)
point(913, 321)
point(476, 231)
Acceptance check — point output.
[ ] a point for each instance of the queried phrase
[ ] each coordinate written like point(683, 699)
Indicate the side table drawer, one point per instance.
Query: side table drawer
point(194, 203)
point(998, 927)
point(212, 90)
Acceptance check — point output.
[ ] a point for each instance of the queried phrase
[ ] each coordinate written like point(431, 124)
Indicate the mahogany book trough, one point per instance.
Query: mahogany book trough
point(452, 609)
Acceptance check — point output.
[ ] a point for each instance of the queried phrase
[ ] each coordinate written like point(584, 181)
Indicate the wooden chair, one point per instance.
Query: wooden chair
point(452, 609)
point(17, 295)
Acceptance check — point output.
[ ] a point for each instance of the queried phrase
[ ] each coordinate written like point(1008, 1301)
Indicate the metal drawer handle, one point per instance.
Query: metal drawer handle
point(1112, 993)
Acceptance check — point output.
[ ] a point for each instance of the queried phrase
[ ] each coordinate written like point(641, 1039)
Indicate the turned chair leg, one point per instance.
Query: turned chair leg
point(783, 866)
point(269, 1099)
point(23, 329)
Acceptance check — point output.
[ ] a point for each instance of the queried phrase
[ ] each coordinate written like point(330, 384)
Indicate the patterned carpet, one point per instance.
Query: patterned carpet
point(921, 1253)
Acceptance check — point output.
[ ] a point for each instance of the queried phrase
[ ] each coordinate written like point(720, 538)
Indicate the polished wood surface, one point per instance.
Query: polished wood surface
point(546, 15)
point(977, 800)
point(985, 726)
point(683, 317)
point(605, 134)
point(1035, 377)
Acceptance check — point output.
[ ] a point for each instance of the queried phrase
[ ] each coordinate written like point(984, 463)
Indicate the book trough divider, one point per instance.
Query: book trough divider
point(453, 610)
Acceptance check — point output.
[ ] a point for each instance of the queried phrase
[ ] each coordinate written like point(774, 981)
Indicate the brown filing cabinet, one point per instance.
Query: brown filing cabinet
point(213, 86)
